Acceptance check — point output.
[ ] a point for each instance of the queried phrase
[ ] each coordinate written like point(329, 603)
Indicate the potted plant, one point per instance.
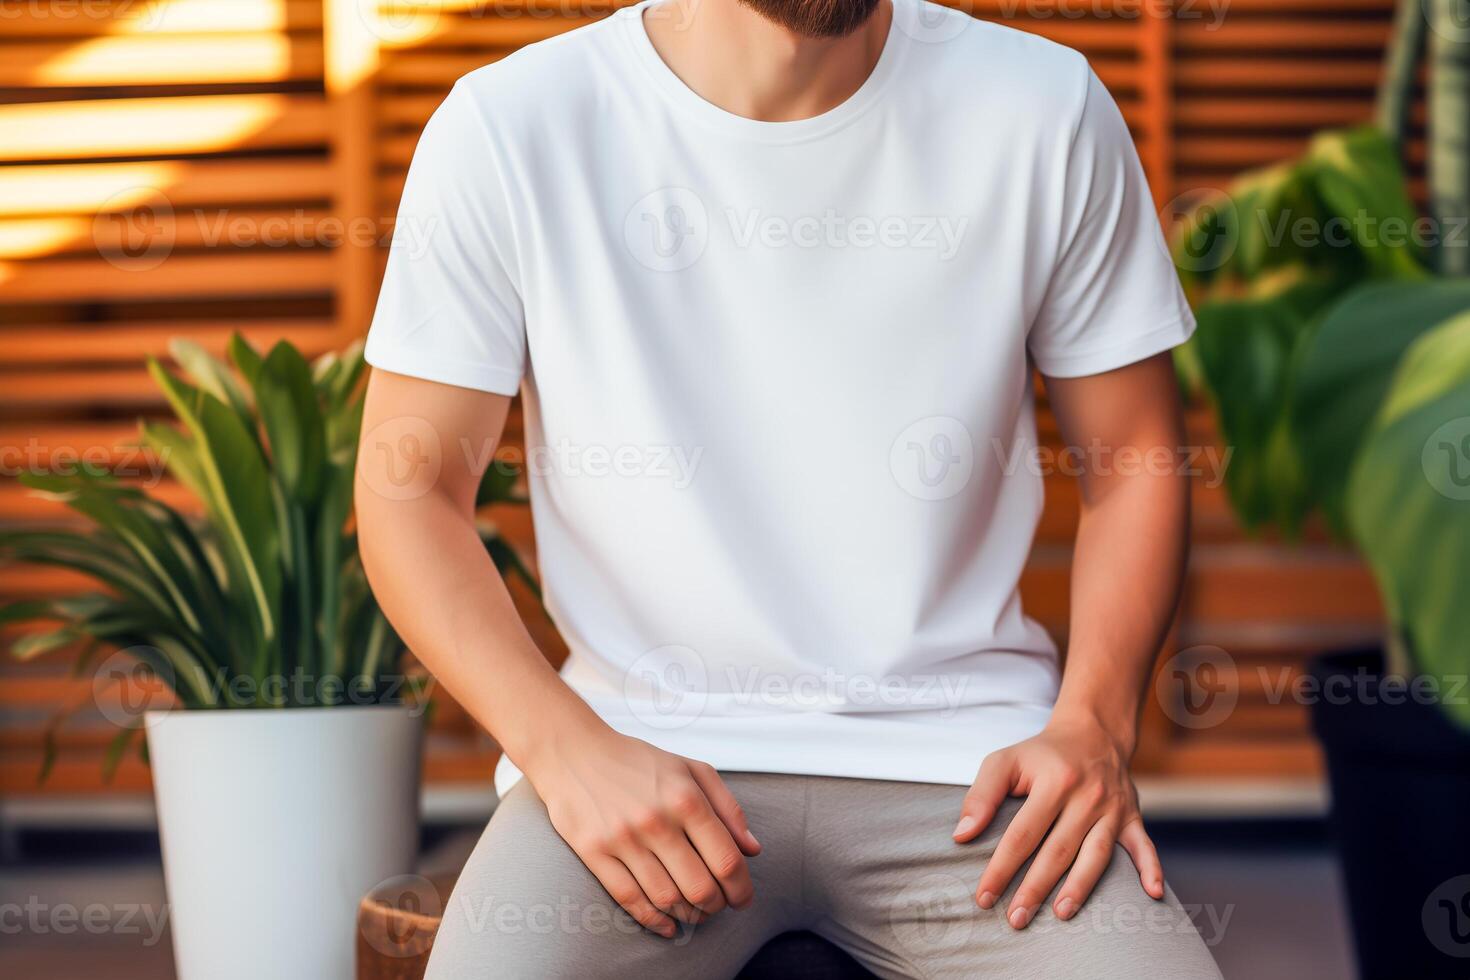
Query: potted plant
point(282, 729)
point(1339, 369)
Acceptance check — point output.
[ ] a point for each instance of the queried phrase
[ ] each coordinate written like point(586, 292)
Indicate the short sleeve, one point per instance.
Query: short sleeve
point(449, 309)
point(1113, 297)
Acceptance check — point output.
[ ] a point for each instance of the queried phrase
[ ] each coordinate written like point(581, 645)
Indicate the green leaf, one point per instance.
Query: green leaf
point(1357, 173)
point(245, 358)
point(288, 406)
point(1247, 349)
point(117, 747)
point(1346, 370)
point(237, 493)
point(498, 484)
point(34, 645)
point(213, 376)
point(1408, 505)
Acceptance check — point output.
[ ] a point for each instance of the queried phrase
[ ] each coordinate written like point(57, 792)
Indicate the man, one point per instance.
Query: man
point(771, 277)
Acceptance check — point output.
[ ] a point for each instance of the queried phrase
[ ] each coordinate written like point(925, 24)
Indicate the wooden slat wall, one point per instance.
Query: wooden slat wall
point(148, 151)
point(248, 115)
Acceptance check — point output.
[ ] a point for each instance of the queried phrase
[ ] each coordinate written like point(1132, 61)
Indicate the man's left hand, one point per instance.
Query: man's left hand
point(1080, 801)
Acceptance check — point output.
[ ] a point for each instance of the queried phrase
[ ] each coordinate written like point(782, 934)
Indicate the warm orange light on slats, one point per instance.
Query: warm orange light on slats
point(161, 60)
point(137, 127)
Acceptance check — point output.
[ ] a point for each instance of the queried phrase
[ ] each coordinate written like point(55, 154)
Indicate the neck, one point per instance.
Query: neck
point(735, 58)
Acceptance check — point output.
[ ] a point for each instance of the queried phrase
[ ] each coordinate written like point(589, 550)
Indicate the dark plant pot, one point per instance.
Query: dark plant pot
point(1400, 776)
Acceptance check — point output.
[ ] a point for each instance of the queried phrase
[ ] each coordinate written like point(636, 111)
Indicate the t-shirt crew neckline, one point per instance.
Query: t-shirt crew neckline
point(689, 101)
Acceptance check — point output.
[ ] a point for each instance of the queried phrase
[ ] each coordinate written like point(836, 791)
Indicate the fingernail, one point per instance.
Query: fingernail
point(987, 899)
point(966, 824)
point(1159, 887)
point(751, 838)
point(1065, 908)
point(1020, 917)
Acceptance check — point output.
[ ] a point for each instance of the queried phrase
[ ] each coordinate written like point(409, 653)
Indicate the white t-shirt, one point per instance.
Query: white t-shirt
point(777, 376)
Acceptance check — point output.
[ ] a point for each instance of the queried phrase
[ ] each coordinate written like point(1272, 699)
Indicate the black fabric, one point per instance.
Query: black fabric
point(802, 956)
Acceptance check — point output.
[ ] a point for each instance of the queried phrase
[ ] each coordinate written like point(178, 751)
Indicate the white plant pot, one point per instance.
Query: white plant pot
point(274, 825)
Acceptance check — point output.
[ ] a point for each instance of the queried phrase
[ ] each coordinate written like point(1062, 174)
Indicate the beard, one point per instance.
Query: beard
point(815, 18)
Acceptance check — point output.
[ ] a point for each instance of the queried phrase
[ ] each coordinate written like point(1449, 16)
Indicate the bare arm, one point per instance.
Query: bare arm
point(662, 833)
point(1127, 427)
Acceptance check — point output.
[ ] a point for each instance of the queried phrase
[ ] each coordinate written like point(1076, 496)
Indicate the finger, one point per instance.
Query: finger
point(689, 872)
point(1140, 848)
point(711, 839)
point(992, 784)
point(726, 807)
point(1019, 841)
point(1093, 858)
point(1053, 859)
point(625, 890)
point(659, 885)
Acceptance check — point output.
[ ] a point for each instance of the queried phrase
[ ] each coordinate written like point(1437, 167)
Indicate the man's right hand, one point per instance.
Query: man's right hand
point(661, 832)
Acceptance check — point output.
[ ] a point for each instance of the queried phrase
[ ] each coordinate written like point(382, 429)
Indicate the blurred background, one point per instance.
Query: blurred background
point(194, 168)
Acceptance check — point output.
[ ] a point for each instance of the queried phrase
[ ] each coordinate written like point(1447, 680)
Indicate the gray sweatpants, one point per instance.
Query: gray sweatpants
point(869, 865)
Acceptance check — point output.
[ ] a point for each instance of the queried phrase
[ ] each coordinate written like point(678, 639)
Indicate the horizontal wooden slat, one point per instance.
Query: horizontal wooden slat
point(95, 18)
point(160, 127)
point(87, 188)
point(125, 342)
point(150, 59)
point(241, 271)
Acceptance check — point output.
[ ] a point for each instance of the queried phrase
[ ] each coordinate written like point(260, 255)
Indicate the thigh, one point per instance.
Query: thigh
point(526, 907)
point(901, 899)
